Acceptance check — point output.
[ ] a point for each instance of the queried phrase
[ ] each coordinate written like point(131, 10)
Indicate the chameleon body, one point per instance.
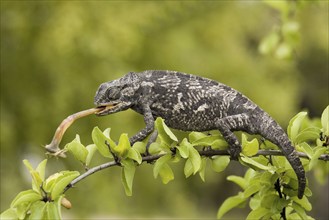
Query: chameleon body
point(192, 103)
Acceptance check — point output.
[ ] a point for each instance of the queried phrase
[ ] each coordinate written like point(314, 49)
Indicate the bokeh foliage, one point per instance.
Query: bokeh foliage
point(55, 54)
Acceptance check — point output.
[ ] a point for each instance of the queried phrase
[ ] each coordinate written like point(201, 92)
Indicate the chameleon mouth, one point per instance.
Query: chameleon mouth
point(106, 108)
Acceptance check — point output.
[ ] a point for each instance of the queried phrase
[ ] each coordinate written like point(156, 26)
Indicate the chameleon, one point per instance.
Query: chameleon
point(192, 103)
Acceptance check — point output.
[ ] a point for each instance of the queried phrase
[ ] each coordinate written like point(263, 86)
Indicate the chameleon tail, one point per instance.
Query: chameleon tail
point(274, 133)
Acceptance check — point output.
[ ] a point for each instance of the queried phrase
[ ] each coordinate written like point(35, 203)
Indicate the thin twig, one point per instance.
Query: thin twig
point(211, 152)
point(278, 188)
point(93, 170)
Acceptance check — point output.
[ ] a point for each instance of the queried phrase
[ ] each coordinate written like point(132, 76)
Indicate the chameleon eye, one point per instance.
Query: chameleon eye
point(113, 93)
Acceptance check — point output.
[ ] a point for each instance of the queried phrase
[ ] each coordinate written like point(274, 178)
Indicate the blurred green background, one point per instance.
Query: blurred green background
point(54, 55)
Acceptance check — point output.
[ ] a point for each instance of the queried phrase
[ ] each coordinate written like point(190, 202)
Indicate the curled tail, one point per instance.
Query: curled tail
point(273, 132)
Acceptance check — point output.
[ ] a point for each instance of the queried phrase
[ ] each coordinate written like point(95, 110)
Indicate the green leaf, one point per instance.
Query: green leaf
point(183, 148)
point(255, 201)
point(249, 148)
point(123, 147)
point(295, 124)
point(255, 165)
point(28, 196)
point(229, 204)
point(36, 181)
point(307, 149)
point(289, 192)
point(193, 163)
point(315, 158)
point(290, 178)
point(268, 201)
point(127, 175)
point(295, 216)
point(166, 174)
point(175, 158)
point(38, 210)
point(165, 133)
point(78, 150)
point(274, 203)
point(188, 168)
point(159, 163)
point(267, 178)
point(300, 211)
point(219, 144)
point(280, 203)
point(58, 203)
point(49, 182)
point(238, 180)
point(325, 121)
point(9, 214)
point(195, 158)
point(280, 164)
point(202, 170)
point(36, 178)
point(139, 147)
point(303, 203)
point(28, 165)
point(308, 134)
point(219, 163)
point(251, 190)
point(308, 192)
point(267, 145)
point(41, 169)
point(269, 43)
point(215, 141)
point(195, 136)
point(52, 211)
point(22, 210)
point(283, 51)
point(162, 168)
point(62, 180)
point(107, 133)
point(290, 28)
point(99, 139)
point(91, 148)
point(135, 155)
point(250, 174)
point(291, 33)
point(257, 213)
point(155, 148)
point(255, 180)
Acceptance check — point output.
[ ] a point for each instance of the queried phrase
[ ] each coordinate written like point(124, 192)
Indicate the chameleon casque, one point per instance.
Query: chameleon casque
point(192, 103)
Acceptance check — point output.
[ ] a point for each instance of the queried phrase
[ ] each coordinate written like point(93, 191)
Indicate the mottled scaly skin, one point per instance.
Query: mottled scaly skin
point(191, 103)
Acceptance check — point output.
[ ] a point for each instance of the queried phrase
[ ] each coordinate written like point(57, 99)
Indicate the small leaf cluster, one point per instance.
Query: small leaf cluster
point(45, 198)
point(125, 154)
point(122, 152)
point(284, 37)
point(311, 138)
point(186, 150)
point(270, 185)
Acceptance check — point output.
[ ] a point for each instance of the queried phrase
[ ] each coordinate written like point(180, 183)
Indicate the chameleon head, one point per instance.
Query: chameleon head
point(117, 95)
